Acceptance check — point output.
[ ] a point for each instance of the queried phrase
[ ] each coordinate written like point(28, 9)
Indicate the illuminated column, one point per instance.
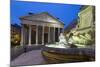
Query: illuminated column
point(36, 34)
point(49, 35)
point(22, 35)
point(29, 42)
point(43, 35)
point(54, 34)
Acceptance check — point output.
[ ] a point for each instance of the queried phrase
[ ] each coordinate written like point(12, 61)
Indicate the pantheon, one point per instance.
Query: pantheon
point(40, 29)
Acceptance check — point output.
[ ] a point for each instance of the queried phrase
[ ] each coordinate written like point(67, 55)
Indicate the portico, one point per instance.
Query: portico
point(40, 29)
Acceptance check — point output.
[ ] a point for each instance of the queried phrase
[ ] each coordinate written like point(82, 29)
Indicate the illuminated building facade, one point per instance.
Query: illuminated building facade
point(40, 29)
point(15, 34)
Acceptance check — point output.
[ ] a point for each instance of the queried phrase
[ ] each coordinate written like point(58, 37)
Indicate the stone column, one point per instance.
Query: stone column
point(22, 36)
point(58, 33)
point(54, 35)
point(43, 35)
point(49, 35)
point(29, 42)
point(36, 34)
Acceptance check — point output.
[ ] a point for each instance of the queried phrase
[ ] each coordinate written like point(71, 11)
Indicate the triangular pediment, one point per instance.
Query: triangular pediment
point(44, 16)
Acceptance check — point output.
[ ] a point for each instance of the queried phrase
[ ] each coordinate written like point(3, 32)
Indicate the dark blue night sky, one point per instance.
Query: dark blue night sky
point(65, 12)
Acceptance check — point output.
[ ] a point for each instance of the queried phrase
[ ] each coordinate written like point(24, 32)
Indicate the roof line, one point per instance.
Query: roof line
point(38, 21)
point(41, 13)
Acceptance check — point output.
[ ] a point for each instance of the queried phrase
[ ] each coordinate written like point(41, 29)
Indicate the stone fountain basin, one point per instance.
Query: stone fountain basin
point(62, 54)
point(61, 49)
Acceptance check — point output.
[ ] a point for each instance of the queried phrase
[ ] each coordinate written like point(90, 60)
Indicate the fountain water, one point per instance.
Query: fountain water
point(61, 44)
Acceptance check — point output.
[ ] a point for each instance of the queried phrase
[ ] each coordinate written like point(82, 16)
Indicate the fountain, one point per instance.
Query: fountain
point(61, 44)
point(80, 41)
point(63, 52)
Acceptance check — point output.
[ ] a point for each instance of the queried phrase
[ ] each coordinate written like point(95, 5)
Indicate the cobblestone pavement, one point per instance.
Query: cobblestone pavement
point(30, 58)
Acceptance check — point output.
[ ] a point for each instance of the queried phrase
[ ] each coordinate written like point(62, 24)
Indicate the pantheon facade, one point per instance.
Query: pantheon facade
point(40, 29)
